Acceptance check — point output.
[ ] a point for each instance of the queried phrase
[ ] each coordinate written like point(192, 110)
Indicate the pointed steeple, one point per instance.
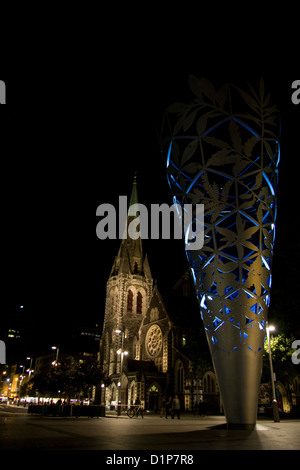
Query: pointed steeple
point(130, 258)
point(134, 198)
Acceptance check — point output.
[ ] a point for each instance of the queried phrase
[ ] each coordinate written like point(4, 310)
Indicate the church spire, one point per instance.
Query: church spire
point(130, 258)
point(134, 198)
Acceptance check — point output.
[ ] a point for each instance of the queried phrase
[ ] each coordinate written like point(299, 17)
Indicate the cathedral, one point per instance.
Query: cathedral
point(150, 351)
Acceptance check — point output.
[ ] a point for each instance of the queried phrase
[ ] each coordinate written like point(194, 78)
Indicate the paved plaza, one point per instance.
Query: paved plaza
point(20, 431)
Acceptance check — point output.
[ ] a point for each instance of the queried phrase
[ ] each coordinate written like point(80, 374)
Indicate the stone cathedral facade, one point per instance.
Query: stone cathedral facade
point(142, 350)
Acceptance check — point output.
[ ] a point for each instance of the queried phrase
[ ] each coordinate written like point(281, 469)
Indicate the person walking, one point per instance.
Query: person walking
point(176, 407)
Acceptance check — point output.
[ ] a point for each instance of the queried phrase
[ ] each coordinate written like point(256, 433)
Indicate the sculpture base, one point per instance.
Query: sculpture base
point(239, 375)
point(242, 426)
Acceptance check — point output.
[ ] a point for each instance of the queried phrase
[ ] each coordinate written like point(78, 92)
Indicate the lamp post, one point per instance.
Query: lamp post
point(30, 367)
point(21, 381)
point(54, 363)
point(274, 401)
point(121, 352)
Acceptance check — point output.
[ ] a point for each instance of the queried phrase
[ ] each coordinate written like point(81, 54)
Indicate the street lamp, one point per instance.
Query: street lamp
point(23, 373)
point(121, 352)
point(21, 381)
point(54, 363)
point(30, 367)
point(274, 401)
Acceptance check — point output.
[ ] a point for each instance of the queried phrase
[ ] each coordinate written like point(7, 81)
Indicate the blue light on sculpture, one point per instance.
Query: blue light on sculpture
point(222, 151)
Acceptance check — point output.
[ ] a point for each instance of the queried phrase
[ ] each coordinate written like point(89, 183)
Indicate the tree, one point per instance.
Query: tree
point(281, 350)
point(70, 378)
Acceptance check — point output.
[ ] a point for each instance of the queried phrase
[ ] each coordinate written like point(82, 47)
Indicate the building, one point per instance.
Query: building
point(144, 348)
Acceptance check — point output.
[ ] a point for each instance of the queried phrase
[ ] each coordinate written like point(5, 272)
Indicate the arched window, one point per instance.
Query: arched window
point(209, 383)
point(136, 268)
point(139, 303)
point(129, 301)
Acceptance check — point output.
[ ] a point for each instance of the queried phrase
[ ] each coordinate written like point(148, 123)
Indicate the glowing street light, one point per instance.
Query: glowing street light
point(121, 352)
point(54, 363)
point(30, 367)
point(274, 401)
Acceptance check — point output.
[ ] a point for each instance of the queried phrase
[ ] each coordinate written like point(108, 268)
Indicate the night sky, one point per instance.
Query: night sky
point(72, 138)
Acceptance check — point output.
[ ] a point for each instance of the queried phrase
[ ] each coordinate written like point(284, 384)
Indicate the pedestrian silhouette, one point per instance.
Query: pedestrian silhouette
point(176, 407)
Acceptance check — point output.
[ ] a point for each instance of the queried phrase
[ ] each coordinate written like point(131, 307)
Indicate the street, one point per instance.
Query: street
point(20, 431)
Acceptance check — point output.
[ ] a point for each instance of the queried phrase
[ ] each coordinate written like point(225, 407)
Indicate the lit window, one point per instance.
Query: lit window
point(139, 304)
point(129, 301)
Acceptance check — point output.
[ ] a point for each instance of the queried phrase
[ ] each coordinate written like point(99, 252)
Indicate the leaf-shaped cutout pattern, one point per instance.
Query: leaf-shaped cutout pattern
point(219, 274)
point(235, 136)
point(257, 277)
point(249, 145)
point(208, 89)
point(189, 151)
point(245, 196)
point(201, 125)
point(252, 103)
point(258, 180)
point(239, 166)
point(222, 157)
point(188, 120)
point(216, 142)
point(240, 237)
point(221, 95)
point(195, 86)
point(191, 167)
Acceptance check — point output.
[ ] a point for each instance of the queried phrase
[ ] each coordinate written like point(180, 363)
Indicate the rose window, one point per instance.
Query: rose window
point(154, 340)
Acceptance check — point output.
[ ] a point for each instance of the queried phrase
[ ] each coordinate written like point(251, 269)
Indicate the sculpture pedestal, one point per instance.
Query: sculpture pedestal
point(239, 374)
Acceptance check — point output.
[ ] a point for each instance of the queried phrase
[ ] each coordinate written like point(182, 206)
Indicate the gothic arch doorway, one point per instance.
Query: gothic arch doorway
point(179, 377)
point(211, 397)
point(132, 393)
point(282, 398)
point(154, 397)
point(123, 390)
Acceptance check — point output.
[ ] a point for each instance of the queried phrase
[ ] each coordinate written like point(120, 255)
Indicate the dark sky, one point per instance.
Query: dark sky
point(71, 138)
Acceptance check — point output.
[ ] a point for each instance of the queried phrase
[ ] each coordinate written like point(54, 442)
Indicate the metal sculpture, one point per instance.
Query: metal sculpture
point(222, 150)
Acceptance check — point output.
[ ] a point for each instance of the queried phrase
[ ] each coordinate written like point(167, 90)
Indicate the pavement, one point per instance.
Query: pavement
point(20, 431)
